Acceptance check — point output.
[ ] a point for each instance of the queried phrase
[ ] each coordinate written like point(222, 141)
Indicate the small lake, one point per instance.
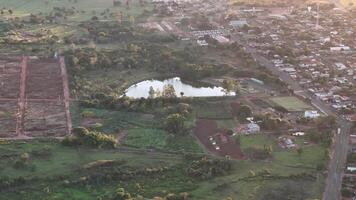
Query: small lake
point(141, 89)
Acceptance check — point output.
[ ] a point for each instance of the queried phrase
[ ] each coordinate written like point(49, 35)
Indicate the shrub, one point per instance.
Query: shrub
point(82, 136)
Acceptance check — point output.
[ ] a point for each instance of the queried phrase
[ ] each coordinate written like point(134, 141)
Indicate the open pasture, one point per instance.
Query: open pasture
point(292, 104)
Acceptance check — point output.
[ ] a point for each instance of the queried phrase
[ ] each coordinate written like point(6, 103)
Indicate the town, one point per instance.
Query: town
point(178, 99)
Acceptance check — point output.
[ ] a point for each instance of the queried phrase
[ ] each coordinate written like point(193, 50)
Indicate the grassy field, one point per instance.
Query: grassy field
point(291, 103)
point(214, 110)
point(146, 138)
point(65, 162)
point(90, 7)
point(258, 141)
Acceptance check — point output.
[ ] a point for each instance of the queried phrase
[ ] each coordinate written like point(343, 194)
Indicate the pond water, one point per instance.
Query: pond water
point(141, 89)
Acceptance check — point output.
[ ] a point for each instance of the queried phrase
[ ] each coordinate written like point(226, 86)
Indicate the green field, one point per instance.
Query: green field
point(146, 138)
point(292, 104)
point(49, 168)
point(214, 110)
point(90, 7)
point(258, 141)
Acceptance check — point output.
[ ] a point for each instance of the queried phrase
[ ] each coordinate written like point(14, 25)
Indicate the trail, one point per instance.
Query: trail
point(66, 98)
point(22, 99)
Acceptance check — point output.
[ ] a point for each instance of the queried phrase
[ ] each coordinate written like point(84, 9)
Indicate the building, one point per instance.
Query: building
point(238, 23)
point(342, 48)
point(253, 128)
point(312, 114)
point(202, 43)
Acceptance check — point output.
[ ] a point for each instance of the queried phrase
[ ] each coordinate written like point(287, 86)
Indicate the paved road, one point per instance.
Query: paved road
point(337, 163)
point(340, 146)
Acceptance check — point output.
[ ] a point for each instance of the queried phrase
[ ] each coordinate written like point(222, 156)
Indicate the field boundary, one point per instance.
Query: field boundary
point(66, 94)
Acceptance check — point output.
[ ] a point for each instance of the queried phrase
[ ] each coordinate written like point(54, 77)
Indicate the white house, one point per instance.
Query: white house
point(311, 114)
point(253, 128)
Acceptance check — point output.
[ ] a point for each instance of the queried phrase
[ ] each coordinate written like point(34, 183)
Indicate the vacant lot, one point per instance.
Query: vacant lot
point(214, 110)
point(39, 110)
point(292, 104)
point(224, 145)
point(59, 169)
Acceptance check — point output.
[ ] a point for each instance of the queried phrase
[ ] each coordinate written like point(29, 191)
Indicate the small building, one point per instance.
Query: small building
point(312, 114)
point(296, 134)
point(351, 169)
point(238, 23)
point(253, 128)
point(202, 43)
point(340, 66)
point(341, 48)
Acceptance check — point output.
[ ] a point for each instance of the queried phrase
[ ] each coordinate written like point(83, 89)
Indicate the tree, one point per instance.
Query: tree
point(169, 91)
point(326, 122)
point(181, 94)
point(228, 85)
point(25, 157)
point(237, 88)
point(121, 194)
point(175, 123)
point(243, 112)
point(151, 93)
point(300, 151)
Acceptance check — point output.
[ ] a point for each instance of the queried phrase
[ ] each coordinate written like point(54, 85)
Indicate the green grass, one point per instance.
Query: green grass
point(116, 121)
point(159, 139)
point(291, 103)
point(228, 124)
point(65, 161)
point(214, 110)
point(25, 7)
point(258, 141)
point(146, 138)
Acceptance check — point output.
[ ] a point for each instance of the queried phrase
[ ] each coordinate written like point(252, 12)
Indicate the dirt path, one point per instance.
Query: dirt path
point(22, 99)
point(121, 136)
point(66, 99)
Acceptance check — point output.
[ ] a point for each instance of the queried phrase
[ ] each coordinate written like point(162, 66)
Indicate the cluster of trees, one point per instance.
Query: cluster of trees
point(317, 136)
point(122, 194)
point(259, 153)
point(106, 32)
point(242, 112)
point(133, 57)
point(82, 136)
point(207, 167)
point(268, 122)
point(175, 124)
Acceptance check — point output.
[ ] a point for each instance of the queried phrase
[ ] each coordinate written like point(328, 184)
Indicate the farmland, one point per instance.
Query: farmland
point(29, 107)
point(70, 130)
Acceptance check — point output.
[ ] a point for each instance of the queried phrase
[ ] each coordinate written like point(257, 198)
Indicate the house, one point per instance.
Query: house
point(340, 66)
point(238, 23)
point(298, 134)
point(253, 128)
point(342, 48)
point(312, 114)
point(221, 39)
point(351, 169)
point(202, 43)
point(286, 142)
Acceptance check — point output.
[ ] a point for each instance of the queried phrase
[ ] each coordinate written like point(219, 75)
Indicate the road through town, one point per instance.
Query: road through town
point(340, 145)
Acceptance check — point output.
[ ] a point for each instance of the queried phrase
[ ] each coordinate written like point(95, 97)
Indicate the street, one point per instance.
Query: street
point(339, 147)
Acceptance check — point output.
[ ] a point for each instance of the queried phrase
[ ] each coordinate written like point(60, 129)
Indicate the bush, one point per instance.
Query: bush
point(207, 168)
point(82, 136)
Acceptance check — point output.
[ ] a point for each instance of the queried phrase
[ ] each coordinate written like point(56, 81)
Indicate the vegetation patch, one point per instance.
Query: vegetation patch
point(146, 138)
point(292, 104)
